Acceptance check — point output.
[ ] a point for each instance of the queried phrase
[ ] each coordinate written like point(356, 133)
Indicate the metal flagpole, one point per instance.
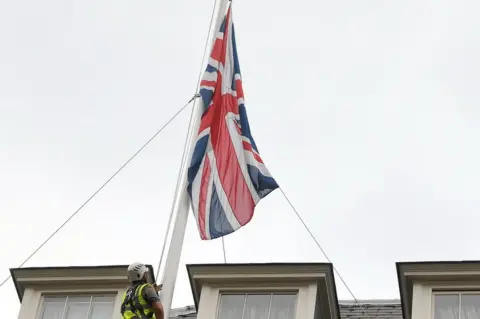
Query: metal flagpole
point(181, 200)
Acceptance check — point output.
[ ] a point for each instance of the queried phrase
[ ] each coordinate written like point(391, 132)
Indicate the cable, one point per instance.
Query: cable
point(224, 252)
point(187, 142)
point(323, 252)
point(101, 187)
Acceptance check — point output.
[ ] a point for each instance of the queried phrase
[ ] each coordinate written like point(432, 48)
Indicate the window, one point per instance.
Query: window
point(77, 307)
point(457, 305)
point(257, 306)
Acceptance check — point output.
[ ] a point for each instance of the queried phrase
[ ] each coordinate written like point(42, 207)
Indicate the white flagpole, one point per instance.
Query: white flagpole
point(181, 200)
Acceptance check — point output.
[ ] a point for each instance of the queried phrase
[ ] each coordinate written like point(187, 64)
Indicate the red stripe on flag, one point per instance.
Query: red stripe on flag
point(229, 171)
point(223, 55)
point(247, 146)
point(208, 83)
point(202, 205)
point(217, 49)
point(239, 88)
point(207, 117)
point(206, 121)
point(239, 130)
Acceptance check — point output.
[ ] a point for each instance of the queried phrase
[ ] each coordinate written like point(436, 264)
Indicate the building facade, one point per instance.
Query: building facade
point(428, 290)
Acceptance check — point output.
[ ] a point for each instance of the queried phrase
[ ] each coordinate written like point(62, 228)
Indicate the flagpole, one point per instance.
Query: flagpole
point(181, 201)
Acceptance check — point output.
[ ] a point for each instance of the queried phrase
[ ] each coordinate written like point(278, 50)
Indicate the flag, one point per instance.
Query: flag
point(226, 176)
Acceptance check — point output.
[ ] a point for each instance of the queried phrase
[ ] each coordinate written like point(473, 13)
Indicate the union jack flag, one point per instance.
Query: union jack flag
point(226, 177)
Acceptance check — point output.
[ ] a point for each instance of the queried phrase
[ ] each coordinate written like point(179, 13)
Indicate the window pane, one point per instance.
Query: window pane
point(54, 299)
point(231, 306)
point(79, 299)
point(283, 306)
point(446, 306)
point(106, 298)
point(77, 307)
point(101, 311)
point(53, 307)
point(257, 306)
point(470, 304)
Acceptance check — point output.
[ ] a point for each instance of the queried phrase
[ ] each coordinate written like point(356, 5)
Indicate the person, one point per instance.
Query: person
point(141, 300)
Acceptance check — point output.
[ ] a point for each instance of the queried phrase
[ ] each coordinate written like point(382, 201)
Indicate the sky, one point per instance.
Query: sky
point(365, 112)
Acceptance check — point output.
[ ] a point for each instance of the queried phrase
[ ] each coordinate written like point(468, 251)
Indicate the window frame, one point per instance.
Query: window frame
point(65, 296)
point(423, 295)
point(258, 292)
point(458, 292)
point(304, 308)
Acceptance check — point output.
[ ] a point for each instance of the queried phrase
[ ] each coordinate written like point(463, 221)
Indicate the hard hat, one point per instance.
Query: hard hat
point(136, 271)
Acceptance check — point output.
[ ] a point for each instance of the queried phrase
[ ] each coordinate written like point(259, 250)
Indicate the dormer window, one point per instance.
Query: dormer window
point(266, 291)
point(440, 290)
point(72, 292)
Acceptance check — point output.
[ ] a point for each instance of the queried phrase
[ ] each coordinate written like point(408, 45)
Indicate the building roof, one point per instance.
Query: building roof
point(365, 309)
point(374, 309)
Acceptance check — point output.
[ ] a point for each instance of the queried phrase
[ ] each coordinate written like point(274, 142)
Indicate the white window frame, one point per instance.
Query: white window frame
point(41, 306)
point(458, 292)
point(258, 292)
point(32, 304)
point(423, 295)
point(305, 307)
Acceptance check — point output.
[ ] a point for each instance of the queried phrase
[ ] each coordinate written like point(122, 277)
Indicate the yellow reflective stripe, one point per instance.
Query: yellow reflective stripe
point(129, 314)
point(141, 301)
point(146, 309)
point(139, 295)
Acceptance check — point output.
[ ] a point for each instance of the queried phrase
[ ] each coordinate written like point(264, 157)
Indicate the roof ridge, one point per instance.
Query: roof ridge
point(191, 308)
point(386, 308)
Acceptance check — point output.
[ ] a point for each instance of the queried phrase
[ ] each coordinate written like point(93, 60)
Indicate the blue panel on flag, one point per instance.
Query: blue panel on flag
point(263, 184)
point(199, 150)
point(219, 225)
point(206, 97)
point(245, 126)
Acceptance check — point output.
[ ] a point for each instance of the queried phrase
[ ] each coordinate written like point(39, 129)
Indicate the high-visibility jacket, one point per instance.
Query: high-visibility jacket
point(134, 306)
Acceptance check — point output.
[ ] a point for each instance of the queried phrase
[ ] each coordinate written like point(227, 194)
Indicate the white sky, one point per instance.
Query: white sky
point(366, 112)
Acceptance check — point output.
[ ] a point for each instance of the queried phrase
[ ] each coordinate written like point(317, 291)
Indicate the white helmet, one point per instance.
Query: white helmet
point(136, 271)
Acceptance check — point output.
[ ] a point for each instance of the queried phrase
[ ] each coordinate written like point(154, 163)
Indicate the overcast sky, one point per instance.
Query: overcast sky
point(365, 112)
